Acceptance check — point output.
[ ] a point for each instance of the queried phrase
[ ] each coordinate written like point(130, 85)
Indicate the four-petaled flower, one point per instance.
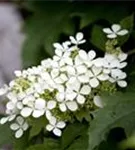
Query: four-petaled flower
point(115, 31)
point(55, 126)
point(20, 126)
point(78, 40)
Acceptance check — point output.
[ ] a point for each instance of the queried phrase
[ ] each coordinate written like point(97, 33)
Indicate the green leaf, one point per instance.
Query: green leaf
point(21, 143)
point(71, 132)
point(44, 28)
point(5, 135)
point(83, 114)
point(126, 23)
point(119, 112)
point(98, 38)
point(36, 147)
point(81, 143)
point(92, 12)
point(49, 144)
point(37, 125)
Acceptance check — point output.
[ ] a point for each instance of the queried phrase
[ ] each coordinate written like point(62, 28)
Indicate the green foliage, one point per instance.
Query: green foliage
point(22, 143)
point(119, 112)
point(71, 133)
point(98, 38)
point(37, 127)
point(5, 135)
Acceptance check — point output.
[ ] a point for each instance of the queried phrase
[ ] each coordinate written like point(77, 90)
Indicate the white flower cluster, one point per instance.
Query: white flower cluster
point(60, 84)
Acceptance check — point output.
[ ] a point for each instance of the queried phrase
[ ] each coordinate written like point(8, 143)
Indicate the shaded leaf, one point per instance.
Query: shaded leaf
point(6, 136)
point(37, 125)
point(119, 112)
point(71, 132)
point(98, 38)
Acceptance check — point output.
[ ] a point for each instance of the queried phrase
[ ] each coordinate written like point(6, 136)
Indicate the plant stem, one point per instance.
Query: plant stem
point(131, 52)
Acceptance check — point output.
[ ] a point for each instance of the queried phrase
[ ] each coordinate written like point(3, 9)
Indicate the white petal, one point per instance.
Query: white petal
point(85, 90)
point(70, 95)
point(73, 40)
point(63, 77)
point(79, 36)
point(80, 99)
point(61, 124)
point(3, 90)
point(3, 120)
point(98, 101)
point(122, 56)
point(91, 54)
point(81, 69)
point(14, 126)
point(53, 121)
point(18, 73)
point(83, 55)
point(122, 32)
point(83, 78)
point(25, 126)
point(122, 65)
point(98, 62)
point(82, 41)
point(62, 107)
point(70, 70)
point(107, 30)
point(57, 132)
point(58, 46)
point(78, 60)
point(94, 82)
point(11, 118)
point(60, 96)
point(26, 112)
point(49, 127)
point(48, 114)
point(103, 77)
point(72, 106)
point(114, 63)
point(40, 103)
point(116, 27)
point(37, 113)
point(19, 105)
point(51, 104)
point(10, 105)
point(72, 80)
point(68, 61)
point(19, 133)
point(122, 83)
point(58, 52)
point(54, 73)
point(96, 70)
point(112, 36)
point(20, 120)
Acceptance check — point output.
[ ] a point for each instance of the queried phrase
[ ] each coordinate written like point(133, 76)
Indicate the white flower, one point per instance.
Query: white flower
point(63, 47)
point(115, 31)
point(38, 108)
point(118, 76)
point(3, 90)
point(20, 126)
point(55, 126)
point(96, 75)
point(98, 101)
point(87, 58)
point(11, 117)
point(80, 93)
point(78, 39)
point(76, 72)
point(65, 99)
point(62, 57)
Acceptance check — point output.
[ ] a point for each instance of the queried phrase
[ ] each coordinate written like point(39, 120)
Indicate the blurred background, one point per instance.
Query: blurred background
point(29, 28)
